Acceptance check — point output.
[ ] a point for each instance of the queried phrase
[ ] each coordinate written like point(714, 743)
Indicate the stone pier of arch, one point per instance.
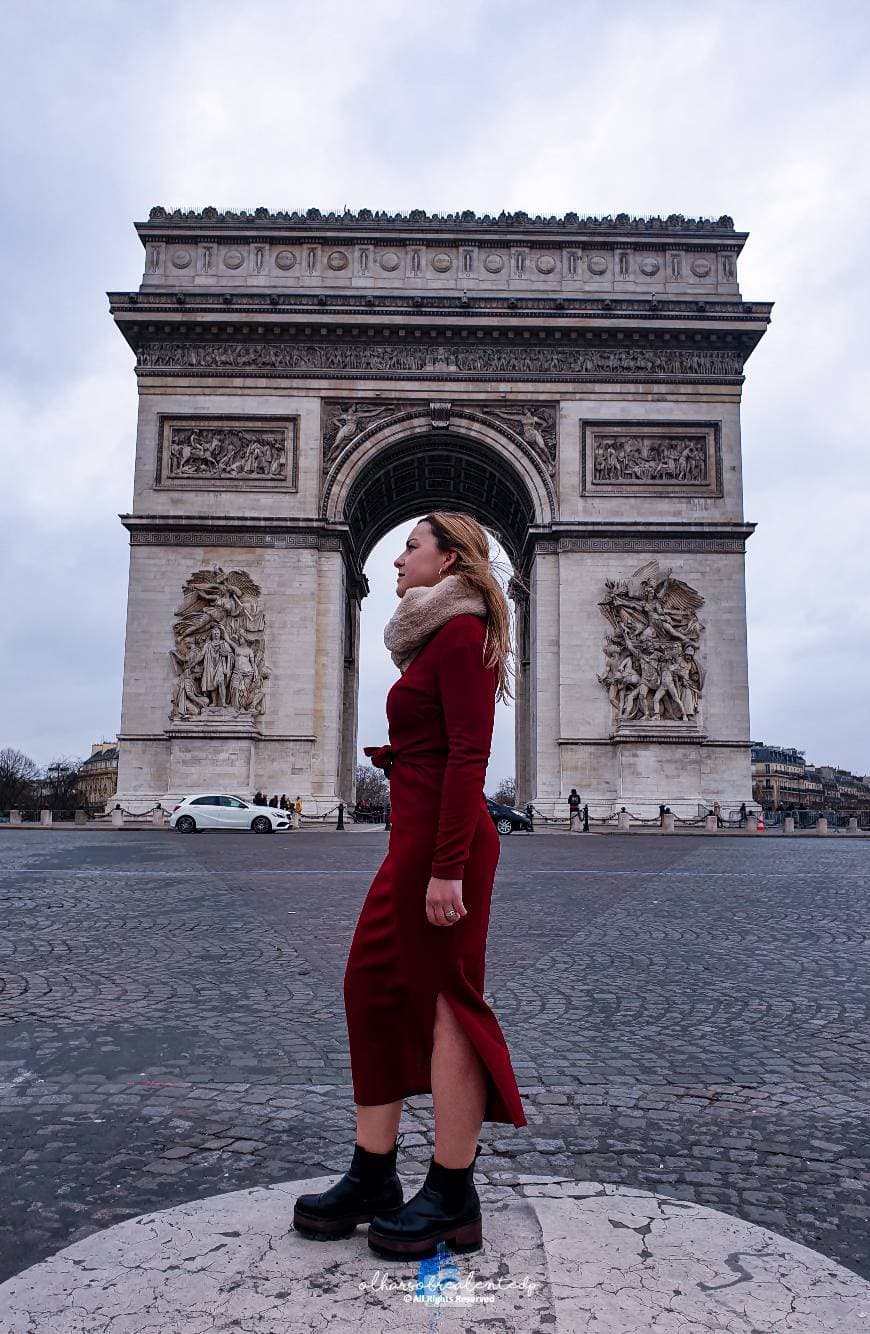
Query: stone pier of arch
point(307, 382)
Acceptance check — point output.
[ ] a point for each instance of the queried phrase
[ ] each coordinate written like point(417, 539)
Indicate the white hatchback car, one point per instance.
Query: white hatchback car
point(205, 811)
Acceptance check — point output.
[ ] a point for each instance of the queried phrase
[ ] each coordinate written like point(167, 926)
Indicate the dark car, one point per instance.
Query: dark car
point(507, 818)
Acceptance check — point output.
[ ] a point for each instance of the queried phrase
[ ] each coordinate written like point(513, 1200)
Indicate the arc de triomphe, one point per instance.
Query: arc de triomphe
point(308, 381)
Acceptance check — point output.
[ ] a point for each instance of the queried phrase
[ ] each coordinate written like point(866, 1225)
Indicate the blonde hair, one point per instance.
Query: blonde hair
point(474, 566)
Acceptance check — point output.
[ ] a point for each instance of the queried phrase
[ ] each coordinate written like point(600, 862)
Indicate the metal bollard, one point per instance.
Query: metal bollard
point(339, 824)
point(387, 825)
point(585, 819)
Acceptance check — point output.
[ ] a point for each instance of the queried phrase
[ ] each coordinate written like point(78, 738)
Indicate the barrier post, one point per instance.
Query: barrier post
point(339, 824)
point(45, 817)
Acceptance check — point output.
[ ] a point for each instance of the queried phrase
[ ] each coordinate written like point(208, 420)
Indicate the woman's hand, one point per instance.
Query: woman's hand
point(441, 895)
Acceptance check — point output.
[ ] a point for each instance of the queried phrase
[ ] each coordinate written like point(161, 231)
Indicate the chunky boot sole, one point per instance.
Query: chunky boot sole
point(331, 1229)
point(466, 1237)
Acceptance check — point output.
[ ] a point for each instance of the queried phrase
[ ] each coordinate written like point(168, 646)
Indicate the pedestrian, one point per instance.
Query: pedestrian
point(416, 1015)
point(297, 812)
point(284, 803)
point(742, 813)
point(273, 801)
point(573, 807)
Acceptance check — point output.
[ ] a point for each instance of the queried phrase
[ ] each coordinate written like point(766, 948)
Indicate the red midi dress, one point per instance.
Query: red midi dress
point(440, 714)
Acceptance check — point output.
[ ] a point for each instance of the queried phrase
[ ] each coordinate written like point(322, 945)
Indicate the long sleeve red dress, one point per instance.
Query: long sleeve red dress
point(440, 714)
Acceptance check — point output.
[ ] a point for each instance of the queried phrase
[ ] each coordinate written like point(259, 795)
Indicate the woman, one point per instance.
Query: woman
point(413, 985)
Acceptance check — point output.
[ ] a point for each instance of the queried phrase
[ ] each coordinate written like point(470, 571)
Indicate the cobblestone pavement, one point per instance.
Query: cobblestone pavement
point(683, 1016)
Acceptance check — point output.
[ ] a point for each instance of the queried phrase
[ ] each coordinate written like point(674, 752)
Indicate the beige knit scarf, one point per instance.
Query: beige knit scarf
point(422, 611)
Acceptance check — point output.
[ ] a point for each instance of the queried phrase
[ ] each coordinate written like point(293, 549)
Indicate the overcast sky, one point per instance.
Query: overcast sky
point(758, 110)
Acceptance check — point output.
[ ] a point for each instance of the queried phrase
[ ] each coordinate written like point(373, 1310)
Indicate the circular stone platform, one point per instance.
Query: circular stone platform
point(558, 1255)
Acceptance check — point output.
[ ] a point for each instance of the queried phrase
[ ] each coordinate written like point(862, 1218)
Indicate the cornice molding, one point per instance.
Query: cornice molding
point(418, 308)
point(720, 538)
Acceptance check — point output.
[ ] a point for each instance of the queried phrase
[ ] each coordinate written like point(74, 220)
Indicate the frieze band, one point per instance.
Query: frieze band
point(439, 360)
point(550, 546)
point(212, 538)
point(543, 546)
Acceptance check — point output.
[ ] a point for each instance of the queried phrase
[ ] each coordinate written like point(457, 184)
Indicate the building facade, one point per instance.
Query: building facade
point(98, 775)
point(307, 382)
point(782, 777)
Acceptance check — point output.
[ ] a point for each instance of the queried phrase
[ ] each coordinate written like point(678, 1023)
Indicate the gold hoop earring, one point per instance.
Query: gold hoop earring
point(441, 572)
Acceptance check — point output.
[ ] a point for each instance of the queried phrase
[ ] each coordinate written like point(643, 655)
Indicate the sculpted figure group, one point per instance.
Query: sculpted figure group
point(650, 459)
point(218, 656)
point(226, 452)
point(654, 670)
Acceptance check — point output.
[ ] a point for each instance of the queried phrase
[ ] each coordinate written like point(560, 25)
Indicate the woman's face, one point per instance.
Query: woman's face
point(421, 560)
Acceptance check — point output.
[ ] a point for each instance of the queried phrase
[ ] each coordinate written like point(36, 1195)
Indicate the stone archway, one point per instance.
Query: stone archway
point(400, 472)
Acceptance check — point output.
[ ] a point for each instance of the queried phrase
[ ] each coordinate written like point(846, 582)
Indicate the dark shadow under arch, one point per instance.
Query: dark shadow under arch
point(440, 470)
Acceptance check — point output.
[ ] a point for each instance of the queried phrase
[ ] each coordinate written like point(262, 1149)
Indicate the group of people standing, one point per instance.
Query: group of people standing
point(282, 803)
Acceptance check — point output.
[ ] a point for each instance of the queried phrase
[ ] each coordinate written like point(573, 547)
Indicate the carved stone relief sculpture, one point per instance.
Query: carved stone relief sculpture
point(218, 451)
point(218, 656)
point(654, 671)
point(578, 363)
point(627, 458)
point(651, 458)
point(347, 422)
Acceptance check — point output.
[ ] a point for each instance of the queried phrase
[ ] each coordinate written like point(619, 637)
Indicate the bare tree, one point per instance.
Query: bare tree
point(60, 784)
point(17, 774)
point(506, 792)
point(371, 786)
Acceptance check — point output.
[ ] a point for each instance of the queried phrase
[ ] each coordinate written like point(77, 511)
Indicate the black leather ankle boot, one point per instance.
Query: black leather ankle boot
point(446, 1208)
point(370, 1186)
